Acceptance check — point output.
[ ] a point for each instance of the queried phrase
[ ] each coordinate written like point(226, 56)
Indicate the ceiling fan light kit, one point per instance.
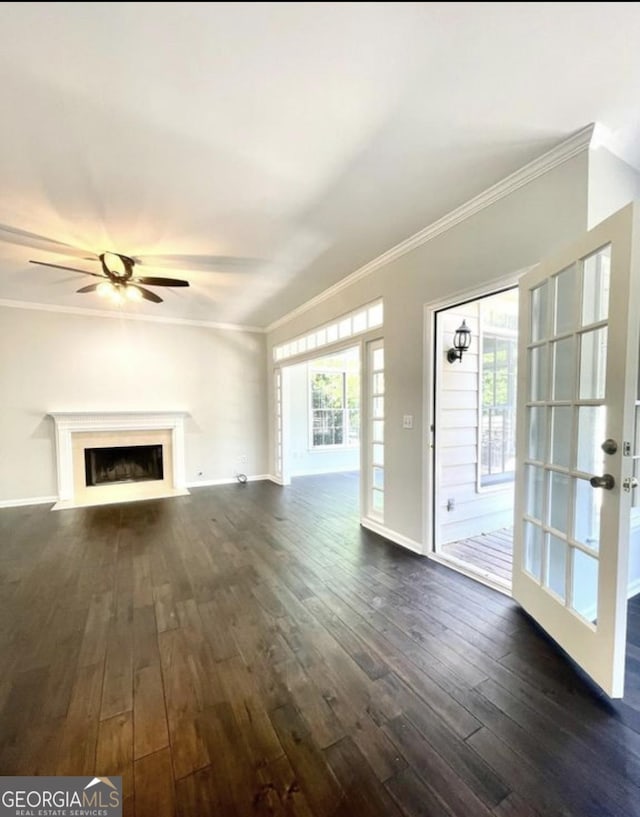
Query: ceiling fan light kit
point(119, 283)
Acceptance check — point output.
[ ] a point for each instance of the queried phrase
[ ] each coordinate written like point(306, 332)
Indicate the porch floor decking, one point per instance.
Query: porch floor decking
point(489, 552)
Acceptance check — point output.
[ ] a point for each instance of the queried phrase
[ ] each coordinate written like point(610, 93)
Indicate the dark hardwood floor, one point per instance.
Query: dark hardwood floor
point(249, 650)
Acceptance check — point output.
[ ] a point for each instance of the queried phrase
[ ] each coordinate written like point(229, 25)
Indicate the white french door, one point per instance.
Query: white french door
point(578, 362)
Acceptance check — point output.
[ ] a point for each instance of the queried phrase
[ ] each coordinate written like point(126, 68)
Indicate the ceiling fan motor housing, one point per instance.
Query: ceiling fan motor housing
point(107, 260)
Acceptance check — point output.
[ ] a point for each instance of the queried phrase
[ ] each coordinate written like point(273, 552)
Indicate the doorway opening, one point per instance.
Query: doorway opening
point(322, 416)
point(474, 437)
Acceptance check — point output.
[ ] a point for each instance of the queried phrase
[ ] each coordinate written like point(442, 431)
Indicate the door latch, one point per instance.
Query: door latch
point(629, 483)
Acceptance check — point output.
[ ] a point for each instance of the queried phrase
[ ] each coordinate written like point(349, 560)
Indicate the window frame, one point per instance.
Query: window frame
point(346, 424)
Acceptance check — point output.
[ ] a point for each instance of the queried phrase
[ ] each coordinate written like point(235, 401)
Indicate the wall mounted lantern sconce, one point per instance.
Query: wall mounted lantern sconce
point(461, 342)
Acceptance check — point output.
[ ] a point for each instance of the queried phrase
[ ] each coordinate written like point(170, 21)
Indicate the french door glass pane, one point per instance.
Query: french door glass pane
point(378, 358)
point(593, 358)
point(537, 432)
point(561, 422)
point(378, 454)
point(538, 373)
point(565, 309)
point(378, 478)
point(595, 286)
point(591, 431)
point(563, 363)
point(378, 431)
point(539, 312)
point(535, 491)
point(586, 528)
point(533, 538)
point(378, 383)
point(377, 501)
point(378, 406)
point(584, 585)
point(556, 565)
point(558, 501)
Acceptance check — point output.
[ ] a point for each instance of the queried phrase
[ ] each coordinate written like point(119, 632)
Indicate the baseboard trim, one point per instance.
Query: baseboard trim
point(30, 500)
point(392, 535)
point(208, 483)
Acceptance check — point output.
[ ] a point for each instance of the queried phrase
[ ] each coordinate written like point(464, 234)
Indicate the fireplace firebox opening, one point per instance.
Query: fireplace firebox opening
point(125, 463)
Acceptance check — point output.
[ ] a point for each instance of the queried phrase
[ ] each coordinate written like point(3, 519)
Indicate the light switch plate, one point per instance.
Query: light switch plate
point(407, 421)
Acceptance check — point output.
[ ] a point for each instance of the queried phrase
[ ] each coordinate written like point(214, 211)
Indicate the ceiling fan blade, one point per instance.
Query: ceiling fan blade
point(88, 288)
point(72, 269)
point(14, 235)
point(161, 282)
point(148, 295)
point(214, 263)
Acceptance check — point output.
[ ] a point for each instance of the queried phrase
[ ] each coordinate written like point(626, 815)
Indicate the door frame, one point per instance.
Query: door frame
point(430, 474)
point(281, 367)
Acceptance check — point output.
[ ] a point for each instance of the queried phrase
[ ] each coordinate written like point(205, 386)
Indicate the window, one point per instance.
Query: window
point(355, 323)
point(335, 401)
point(376, 430)
point(498, 412)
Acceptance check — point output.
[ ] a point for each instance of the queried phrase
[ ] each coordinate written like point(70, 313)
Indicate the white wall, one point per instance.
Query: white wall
point(612, 184)
point(53, 361)
point(303, 458)
point(474, 512)
point(508, 235)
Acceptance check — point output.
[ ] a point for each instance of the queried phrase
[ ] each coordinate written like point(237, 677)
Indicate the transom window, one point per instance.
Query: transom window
point(355, 323)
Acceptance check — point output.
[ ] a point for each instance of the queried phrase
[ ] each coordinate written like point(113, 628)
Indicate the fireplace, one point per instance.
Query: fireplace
point(119, 456)
point(123, 463)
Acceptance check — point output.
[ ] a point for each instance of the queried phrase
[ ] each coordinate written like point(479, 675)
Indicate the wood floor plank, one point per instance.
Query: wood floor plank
point(114, 754)
point(415, 798)
point(317, 781)
point(149, 713)
point(154, 787)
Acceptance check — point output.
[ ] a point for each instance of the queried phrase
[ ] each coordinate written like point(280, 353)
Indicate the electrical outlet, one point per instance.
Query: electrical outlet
point(407, 421)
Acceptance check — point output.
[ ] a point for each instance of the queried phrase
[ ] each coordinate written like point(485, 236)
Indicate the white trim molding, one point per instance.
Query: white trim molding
point(392, 535)
point(129, 316)
point(208, 483)
point(566, 150)
point(30, 500)
point(69, 423)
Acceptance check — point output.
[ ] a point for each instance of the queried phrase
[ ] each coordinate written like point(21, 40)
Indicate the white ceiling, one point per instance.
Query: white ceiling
point(296, 140)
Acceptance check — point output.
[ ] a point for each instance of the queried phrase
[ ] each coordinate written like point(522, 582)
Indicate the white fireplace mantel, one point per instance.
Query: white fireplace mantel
point(68, 423)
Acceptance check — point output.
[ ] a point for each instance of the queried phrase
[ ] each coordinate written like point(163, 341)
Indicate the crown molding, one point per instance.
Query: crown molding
point(105, 313)
point(566, 150)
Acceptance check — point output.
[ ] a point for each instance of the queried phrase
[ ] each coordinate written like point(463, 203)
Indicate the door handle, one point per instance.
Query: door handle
point(606, 481)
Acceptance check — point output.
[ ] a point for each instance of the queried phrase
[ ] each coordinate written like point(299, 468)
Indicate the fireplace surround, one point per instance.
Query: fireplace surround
point(79, 432)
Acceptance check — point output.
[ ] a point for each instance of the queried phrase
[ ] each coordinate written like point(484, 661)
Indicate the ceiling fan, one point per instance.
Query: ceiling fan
point(118, 281)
